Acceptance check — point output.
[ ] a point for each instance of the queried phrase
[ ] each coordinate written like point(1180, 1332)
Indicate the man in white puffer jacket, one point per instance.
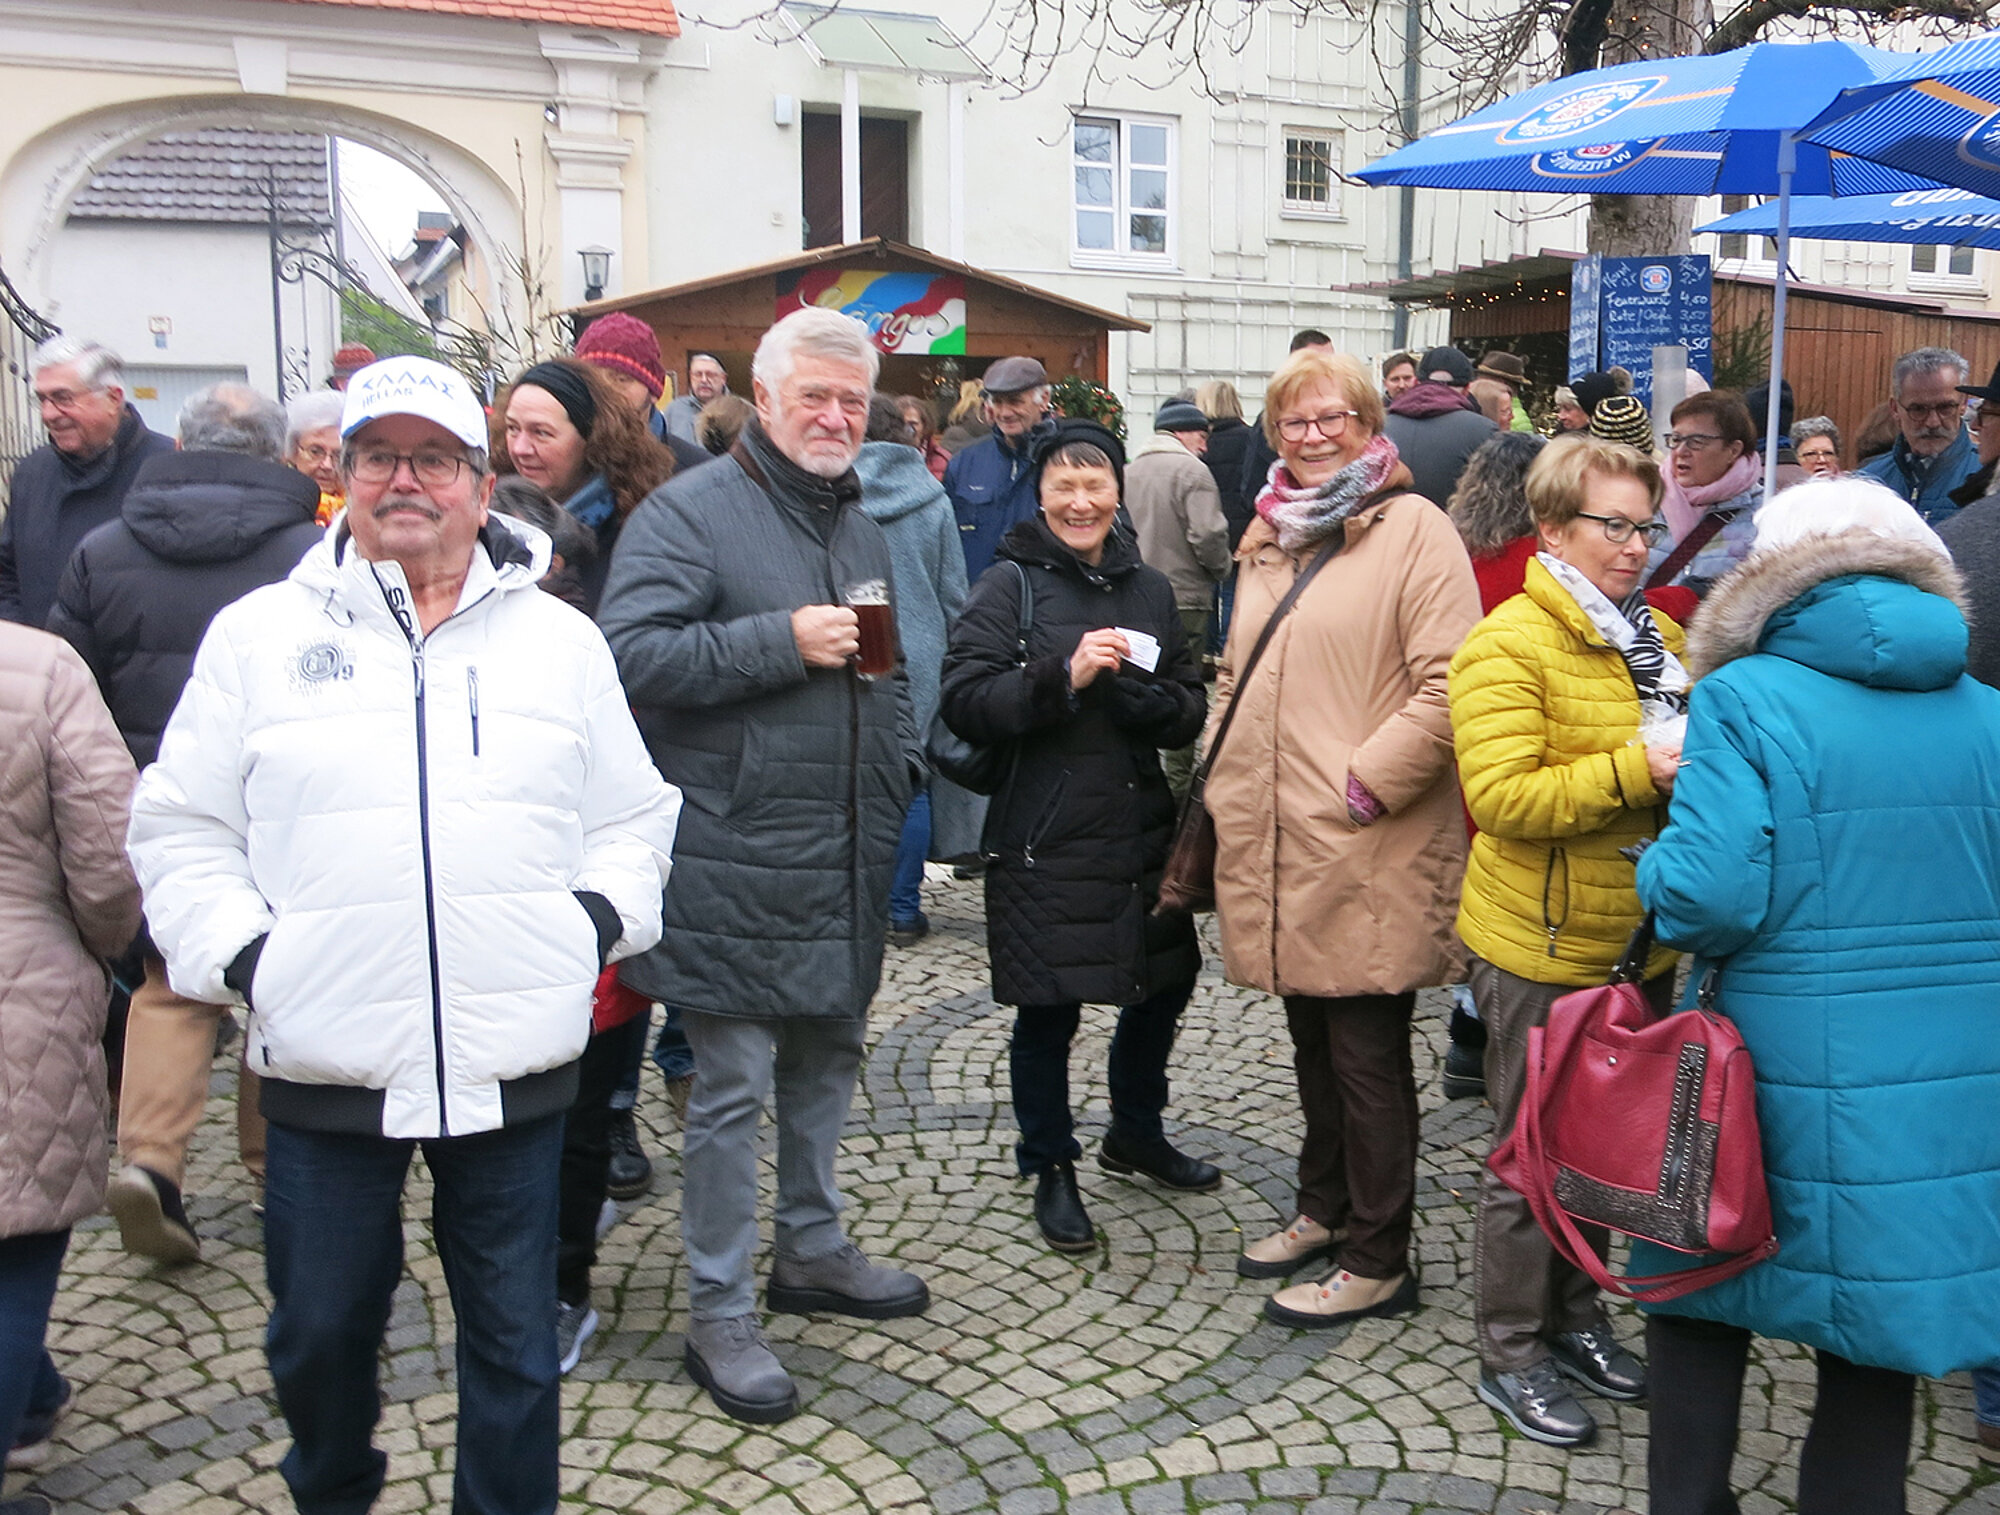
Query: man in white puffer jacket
point(403, 813)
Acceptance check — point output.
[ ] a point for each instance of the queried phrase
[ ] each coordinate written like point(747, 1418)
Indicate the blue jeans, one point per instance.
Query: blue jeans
point(29, 1383)
point(906, 886)
point(1038, 1058)
point(1986, 1394)
point(333, 1242)
point(672, 1054)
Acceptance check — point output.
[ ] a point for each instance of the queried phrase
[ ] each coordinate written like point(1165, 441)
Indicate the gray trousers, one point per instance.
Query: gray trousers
point(809, 1064)
point(1524, 1291)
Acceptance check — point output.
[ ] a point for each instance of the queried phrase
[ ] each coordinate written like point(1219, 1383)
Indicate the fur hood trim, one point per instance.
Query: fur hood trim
point(1732, 619)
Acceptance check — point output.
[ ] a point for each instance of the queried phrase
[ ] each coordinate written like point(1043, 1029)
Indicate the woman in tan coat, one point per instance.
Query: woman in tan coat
point(1340, 842)
point(68, 901)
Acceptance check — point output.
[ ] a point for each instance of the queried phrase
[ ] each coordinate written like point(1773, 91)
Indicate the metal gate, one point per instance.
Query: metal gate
point(22, 330)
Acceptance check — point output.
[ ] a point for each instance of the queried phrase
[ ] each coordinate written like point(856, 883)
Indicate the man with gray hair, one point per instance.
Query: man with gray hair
point(402, 814)
point(1933, 455)
point(786, 719)
point(199, 528)
point(64, 491)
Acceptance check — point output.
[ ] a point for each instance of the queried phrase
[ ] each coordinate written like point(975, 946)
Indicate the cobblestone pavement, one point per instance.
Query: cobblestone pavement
point(1139, 1378)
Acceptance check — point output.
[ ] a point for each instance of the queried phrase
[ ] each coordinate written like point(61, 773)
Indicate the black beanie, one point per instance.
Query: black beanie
point(1069, 429)
point(1593, 388)
point(570, 389)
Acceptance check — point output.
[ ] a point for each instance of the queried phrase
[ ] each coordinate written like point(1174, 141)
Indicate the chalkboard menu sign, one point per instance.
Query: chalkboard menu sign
point(1645, 303)
point(1586, 288)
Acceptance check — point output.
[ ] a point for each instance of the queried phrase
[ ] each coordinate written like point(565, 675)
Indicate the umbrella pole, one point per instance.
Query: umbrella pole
point(1788, 158)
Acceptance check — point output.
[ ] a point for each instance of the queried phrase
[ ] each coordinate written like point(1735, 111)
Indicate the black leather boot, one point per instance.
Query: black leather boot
point(1059, 1210)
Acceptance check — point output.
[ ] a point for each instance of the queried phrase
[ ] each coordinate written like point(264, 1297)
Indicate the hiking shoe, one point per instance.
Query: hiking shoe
point(844, 1282)
point(151, 1220)
point(1283, 1253)
point(575, 1325)
point(34, 1439)
point(731, 1359)
point(631, 1172)
point(908, 933)
point(1595, 1360)
point(1539, 1404)
point(1160, 1161)
point(1464, 1072)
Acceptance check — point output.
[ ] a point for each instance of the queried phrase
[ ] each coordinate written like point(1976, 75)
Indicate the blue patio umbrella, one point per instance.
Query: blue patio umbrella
point(1937, 114)
point(1938, 217)
point(1709, 125)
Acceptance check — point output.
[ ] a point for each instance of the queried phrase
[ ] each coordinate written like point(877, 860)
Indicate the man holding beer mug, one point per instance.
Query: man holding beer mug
point(739, 606)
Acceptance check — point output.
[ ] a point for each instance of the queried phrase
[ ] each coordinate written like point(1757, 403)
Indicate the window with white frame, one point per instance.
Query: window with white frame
point(1122, 177)
point(1957, 261)
point(1312, 171)
point(1740, 247)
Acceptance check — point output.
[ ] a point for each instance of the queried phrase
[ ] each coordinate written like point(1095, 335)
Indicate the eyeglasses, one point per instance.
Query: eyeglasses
point(65, 399)
point(852, 402)
point(1330, 425)
point(1942, 410)
point(1691, 441)
point(434, 470)
point(1816, 454)
point(1620, 528)
point(314, 456)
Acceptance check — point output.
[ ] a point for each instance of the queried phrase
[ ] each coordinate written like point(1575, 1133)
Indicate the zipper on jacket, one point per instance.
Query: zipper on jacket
point(1044, 821)
point(406, 620)
point(472, 701)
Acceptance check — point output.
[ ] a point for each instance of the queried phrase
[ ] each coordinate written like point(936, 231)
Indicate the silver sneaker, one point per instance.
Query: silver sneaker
point(575, 1325)
point(1539, 1404)
point(731, 1359)
point(844, 1282)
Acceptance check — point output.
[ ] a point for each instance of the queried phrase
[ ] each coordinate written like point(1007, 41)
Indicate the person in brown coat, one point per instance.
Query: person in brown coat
point(68, 901)
point(1340, 842)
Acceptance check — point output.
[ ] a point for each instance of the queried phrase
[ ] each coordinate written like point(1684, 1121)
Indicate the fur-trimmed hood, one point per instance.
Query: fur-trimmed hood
point(1883, 633)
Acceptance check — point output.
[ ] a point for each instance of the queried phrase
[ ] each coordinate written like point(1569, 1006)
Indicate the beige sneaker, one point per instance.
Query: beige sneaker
point(1283, 1253)
point(1343, 1297)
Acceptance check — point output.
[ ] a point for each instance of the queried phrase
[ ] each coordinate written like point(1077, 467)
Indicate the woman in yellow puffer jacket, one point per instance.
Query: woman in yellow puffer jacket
point(1550, 696)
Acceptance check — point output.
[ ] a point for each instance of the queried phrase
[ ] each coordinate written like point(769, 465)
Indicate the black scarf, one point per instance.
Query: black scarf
point(789, 482)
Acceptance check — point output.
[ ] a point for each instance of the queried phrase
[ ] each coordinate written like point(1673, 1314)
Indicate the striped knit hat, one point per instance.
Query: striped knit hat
point(1621, 418)
point(624, 345)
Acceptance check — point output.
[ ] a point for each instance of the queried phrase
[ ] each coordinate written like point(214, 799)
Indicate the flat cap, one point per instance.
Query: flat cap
point(1010, 376)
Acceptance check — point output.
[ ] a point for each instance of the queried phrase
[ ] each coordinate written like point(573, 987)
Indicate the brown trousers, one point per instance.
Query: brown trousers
point(169, 1047)
point(1358, 1165)
point(1524, 1291)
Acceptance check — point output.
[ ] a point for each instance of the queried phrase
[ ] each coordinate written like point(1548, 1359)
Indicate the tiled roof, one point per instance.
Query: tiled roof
point(218, 174)
point(654, 18)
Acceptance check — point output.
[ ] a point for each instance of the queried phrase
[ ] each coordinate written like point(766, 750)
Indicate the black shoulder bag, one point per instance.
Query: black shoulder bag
point(981, 767)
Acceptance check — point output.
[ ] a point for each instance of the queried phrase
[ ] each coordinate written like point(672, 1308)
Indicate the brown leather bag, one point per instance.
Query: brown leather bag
point(1188, 884)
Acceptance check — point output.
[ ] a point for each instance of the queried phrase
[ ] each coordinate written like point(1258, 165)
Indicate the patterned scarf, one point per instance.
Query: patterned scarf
point(1302, 517)
point(1656, 672)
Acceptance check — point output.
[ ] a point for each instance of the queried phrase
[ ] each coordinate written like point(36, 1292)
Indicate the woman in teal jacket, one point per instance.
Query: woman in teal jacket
point(1834, 842)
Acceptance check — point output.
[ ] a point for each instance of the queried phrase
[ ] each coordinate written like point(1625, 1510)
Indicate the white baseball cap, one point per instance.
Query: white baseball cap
point(408, 386)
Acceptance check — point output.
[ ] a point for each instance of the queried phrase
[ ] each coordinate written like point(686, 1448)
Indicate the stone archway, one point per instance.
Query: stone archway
point(44, 177)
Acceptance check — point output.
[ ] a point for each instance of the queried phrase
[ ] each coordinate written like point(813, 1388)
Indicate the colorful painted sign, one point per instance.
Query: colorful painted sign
point(904, 312)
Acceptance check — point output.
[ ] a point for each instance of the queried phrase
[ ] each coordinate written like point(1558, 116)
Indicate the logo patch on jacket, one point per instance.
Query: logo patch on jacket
point(320, 663)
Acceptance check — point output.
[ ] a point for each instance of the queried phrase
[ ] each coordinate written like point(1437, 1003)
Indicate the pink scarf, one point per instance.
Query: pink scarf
point(1685, 507)
point(1305, 517)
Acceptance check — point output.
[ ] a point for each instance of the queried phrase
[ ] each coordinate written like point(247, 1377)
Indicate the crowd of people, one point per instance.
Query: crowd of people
point(471, 747)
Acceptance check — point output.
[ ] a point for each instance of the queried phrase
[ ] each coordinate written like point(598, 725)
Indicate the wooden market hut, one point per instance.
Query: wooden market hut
point(726, 313)
point(1839, 343)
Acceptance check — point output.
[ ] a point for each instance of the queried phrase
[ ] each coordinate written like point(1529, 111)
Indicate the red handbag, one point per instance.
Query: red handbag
point(1643, 1124)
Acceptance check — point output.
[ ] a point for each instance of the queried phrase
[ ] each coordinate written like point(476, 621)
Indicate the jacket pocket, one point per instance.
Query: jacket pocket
point(750, 776)
point(1555, 896)
point(1045, 820)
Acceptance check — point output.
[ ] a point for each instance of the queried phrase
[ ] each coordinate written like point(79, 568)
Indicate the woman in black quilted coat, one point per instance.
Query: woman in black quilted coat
point(1078, 834)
